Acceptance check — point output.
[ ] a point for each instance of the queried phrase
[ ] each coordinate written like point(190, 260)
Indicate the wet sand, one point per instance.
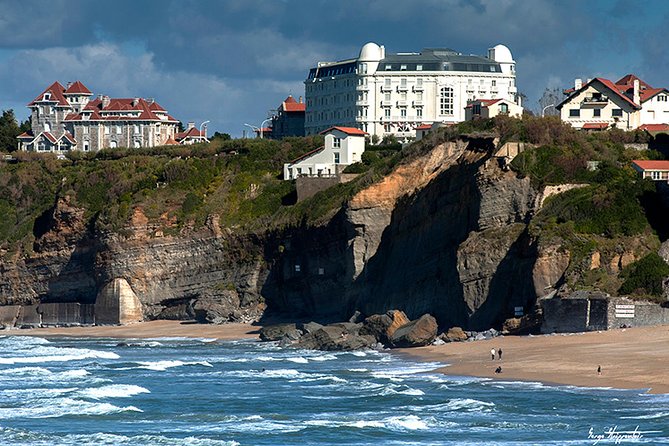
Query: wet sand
point(633, 358)
point(143, 330)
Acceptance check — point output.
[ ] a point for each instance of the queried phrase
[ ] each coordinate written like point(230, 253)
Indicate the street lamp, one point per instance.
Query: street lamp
point(253, 127)
point(261, 124)
point(544, 110)
point(201, 125)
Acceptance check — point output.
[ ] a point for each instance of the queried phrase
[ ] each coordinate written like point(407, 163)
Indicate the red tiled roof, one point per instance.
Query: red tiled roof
point(100, 113)
point(615, 88)
point(652, 164)
point(292, 107)
point(189, 133)
point(69, 137)
point(50, 137)
point(483, 102)
point(56, 90)
point(290, 99)
point(28, 134)
point(347, 130)
point(628, 81)
point(595, 125)
point(424, 127)
point(77, 88)
point(655, 127)
point(307, 155)
point(170, 142)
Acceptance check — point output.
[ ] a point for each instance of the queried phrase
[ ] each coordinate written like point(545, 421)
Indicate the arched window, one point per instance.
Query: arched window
point(446, 101)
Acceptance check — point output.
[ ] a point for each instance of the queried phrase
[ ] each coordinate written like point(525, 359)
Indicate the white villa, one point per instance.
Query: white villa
point(343, 146)
point(627, 104)
point(392, 94)
point(489, 108)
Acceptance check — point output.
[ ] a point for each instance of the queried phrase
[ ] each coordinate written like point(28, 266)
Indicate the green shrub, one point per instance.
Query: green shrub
point(645, 276)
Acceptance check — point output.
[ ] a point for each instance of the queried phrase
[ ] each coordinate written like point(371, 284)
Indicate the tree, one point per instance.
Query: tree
point(9, 130)
point(222, 136)
point(549, 100)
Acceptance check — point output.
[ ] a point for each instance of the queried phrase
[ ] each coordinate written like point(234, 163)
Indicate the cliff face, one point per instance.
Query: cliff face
point(443, 234)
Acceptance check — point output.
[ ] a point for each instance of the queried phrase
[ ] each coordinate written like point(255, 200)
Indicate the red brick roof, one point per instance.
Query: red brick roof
point(98, 112)
point(170, 142)
point(290, 105)
point(28, 134)
point(50, 137)
point(424, 127)
point(595, 125)
point(652, 164)
point(78, 88)
point(623, 88)
point(56, 90)
point(655, 127)
point(484, 102)
point(615, 88)
point(348, 130)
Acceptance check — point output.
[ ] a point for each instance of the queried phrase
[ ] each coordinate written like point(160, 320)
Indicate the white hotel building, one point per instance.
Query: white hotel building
point(384, 94)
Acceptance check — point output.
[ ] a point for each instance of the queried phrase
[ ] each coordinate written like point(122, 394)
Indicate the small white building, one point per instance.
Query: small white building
point(343, 146)
point(626, 104)
point(489, 108)
point(656, 170)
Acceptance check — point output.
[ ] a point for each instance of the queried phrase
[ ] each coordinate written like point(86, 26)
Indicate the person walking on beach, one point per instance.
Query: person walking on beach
point(492, 353)
point(599, 370)
point(499, 354)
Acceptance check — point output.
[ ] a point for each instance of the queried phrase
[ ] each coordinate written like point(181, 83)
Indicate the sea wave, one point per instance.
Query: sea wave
point(113, 391)
point(59, 407)
point(161, 366)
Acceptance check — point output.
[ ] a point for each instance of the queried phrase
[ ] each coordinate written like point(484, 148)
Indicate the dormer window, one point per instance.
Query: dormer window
point(47, 97)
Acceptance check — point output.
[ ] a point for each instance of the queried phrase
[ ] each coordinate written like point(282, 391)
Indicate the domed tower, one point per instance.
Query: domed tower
point(502, 55)
point(369, 58)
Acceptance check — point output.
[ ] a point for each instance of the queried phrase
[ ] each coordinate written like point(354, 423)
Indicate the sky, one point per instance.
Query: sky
point(231, 62)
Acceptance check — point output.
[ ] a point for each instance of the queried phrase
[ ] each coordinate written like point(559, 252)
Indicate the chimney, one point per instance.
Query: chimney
point(135, 101)
point(578, 83)
point(300, 99)
point(69, 84)
point(105, 101)
point(191, 125)
point(637, 96)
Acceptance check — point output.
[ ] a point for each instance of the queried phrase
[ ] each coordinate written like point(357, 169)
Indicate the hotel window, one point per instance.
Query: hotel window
point(575, 113)
point(446, 101)
point(386, 97)
point(503, 108)
point(403, 96)
point(403, 82)
point(403, 67)
point(494, 83)
point(419, 82)
point(84, 130)
point(656, 175)
point(336, 143)
point(386, 128)
point(136, 128)
point(119, 129)
point(107, 128)
point(617, 112)
point(419, 96)
point(386, 82)
point(403, 112)
point(419, 112)
point(419, 67)
point(336, 157)
point(662, 98)
point(389, 67)
point(596, 112)
point(387, 113)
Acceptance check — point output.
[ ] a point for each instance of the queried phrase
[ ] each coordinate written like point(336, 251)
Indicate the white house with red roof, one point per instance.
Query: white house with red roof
point(65, 118)
point(627, 104)
point(656, 170)
point(342, 146)
point(192, 135)
point(489, 108)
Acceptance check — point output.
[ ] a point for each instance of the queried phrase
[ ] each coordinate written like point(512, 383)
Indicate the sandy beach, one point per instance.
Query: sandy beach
point(633, 358)
point(143, 330)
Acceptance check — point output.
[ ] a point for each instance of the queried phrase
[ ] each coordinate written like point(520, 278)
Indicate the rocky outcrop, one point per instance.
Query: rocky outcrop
point(416, 333)
point(383, 326)
point(549, 268)
point(278, 332)
point(455, 334)
point(337, 337)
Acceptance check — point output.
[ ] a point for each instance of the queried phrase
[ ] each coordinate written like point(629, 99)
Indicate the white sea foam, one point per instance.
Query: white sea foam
point(161, 366)
point(298, 360)
point(113, 391)
point(58, 407)
point(323, 358)
point(43, 354)
point(401, 390)
point(410, 422)
point(469, 404)
point(359, 354)
point(650, 416)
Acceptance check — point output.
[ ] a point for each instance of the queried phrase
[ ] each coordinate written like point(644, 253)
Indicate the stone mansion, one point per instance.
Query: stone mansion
point(66, 118)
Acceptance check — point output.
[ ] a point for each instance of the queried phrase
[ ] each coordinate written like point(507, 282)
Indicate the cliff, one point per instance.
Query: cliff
point(447, 230)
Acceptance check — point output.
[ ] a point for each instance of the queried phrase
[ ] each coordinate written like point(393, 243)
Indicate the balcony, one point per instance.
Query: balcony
point(403, 103)
point(595, 101)
point(386, 103)
point(386, 88)
point(418, 103)
point(417, 88)
point(362, 87)
point(402, 88)
point(362, 102)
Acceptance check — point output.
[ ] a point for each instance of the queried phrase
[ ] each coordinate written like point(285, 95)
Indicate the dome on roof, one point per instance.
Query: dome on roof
point(370, 52)
point(500, 53)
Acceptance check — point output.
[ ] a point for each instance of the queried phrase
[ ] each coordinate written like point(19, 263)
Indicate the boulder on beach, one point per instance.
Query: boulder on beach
point(383, 326)
point(280, 331)
point(455, 334)
point(416, 333)
point(336, 337)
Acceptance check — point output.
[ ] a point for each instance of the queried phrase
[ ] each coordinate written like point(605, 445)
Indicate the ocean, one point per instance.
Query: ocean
point(177, 391)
